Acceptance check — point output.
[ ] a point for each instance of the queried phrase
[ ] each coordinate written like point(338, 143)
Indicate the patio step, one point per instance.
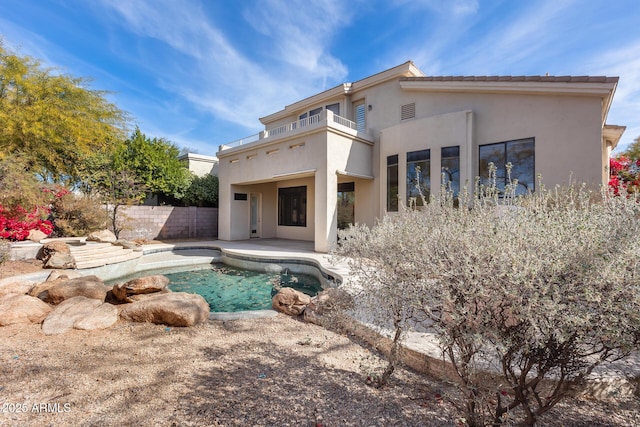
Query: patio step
point(94, 255)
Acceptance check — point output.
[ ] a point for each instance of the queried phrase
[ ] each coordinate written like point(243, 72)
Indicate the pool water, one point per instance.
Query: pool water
point(229, 289)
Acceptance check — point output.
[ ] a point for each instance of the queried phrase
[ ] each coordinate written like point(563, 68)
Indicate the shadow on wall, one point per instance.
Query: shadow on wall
point(169, 222)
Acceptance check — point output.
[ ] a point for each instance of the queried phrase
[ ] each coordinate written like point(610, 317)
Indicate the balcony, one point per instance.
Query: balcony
point(325, 119)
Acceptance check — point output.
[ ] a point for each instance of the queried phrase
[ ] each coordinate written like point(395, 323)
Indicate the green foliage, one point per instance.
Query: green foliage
point(203, 191)
point(75, 215)
point(155, 162)
point(52, 119)
point(519, 290)
point(633, 151)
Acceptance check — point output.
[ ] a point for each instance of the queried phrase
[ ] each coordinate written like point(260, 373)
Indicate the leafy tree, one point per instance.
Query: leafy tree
point(120, 188)
point(51, 118)
point(115, 187)
point(527, 294)
point(633, 151)
point(155, 162)
point(203, 191)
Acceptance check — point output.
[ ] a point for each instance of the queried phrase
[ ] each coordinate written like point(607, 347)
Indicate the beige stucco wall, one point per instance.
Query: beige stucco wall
point(201, 165)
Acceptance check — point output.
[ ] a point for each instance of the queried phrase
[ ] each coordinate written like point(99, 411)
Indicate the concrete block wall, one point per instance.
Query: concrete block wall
point(169, 222)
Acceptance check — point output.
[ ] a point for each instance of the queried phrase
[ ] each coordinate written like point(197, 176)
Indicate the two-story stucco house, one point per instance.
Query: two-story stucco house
point(350, 154)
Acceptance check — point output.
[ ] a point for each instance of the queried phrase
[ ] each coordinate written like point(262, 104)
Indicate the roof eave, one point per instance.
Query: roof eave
point(604, 87)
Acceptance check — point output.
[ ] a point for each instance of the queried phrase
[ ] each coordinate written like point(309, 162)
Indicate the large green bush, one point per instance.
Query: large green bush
point(519, 290)
point(203, 191)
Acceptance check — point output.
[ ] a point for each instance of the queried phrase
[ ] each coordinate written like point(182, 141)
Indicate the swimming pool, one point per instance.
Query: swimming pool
point(231, 289)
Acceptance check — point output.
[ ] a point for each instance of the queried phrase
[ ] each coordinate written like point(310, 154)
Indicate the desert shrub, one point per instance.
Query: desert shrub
point(518, 289)
point(5, 248)
point(20, 187)
point(75, 215)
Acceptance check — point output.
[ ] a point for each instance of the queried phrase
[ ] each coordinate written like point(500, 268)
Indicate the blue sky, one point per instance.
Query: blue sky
point(201, 72)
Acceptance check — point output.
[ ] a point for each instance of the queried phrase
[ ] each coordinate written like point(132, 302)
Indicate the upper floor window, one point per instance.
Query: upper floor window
point(520, 153)
point(418, 177)
point(334, 108)
point(359, 116)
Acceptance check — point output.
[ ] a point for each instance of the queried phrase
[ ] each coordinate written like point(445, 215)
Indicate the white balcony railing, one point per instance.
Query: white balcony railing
point(310, 121)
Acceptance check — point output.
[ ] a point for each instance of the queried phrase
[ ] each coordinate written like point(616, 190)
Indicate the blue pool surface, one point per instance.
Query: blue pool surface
point(231, 289)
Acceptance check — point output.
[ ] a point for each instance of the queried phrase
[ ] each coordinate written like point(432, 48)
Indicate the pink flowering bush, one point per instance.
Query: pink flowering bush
point(17, 222)
point(624, 174)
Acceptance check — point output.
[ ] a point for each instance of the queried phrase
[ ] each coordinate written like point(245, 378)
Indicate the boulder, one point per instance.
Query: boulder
point(87, 286)
point(63, 274)
point(172, 309)
point(326, 302)
point(290, 302)
point(36, 236)
point(19, 287)
point(80, 313)
point(102, 317)
point(125, 292)
point(102, 236)
point(39, 288)
point(140, 297)
point(16, 308)
point(57, 255)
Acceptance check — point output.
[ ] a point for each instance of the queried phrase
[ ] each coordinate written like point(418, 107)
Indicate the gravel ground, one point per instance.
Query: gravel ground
point(262, 372)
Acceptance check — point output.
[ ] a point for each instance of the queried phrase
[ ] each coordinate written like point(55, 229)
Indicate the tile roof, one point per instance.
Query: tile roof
point(552, 79)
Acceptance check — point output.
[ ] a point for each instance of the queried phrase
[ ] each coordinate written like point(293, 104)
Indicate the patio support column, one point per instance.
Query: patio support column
point(224, 211)
point(326, 217)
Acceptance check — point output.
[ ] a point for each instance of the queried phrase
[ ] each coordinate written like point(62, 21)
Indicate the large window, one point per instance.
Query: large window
point(292, 206)
point(392, 183)
point(450, 164)
point(418, 177)
point(346, 204)
point(520, 153)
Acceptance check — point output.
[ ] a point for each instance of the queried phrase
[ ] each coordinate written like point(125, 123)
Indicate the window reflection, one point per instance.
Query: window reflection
point(520, 153)
point(418, 177)
point(450, 164)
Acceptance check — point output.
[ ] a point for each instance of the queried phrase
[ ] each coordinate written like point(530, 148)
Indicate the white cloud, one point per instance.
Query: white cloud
point(217, 77)
point(532, 34)
point(623, 62)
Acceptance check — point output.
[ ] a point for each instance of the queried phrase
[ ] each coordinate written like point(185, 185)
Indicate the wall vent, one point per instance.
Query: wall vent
point(408, 111)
